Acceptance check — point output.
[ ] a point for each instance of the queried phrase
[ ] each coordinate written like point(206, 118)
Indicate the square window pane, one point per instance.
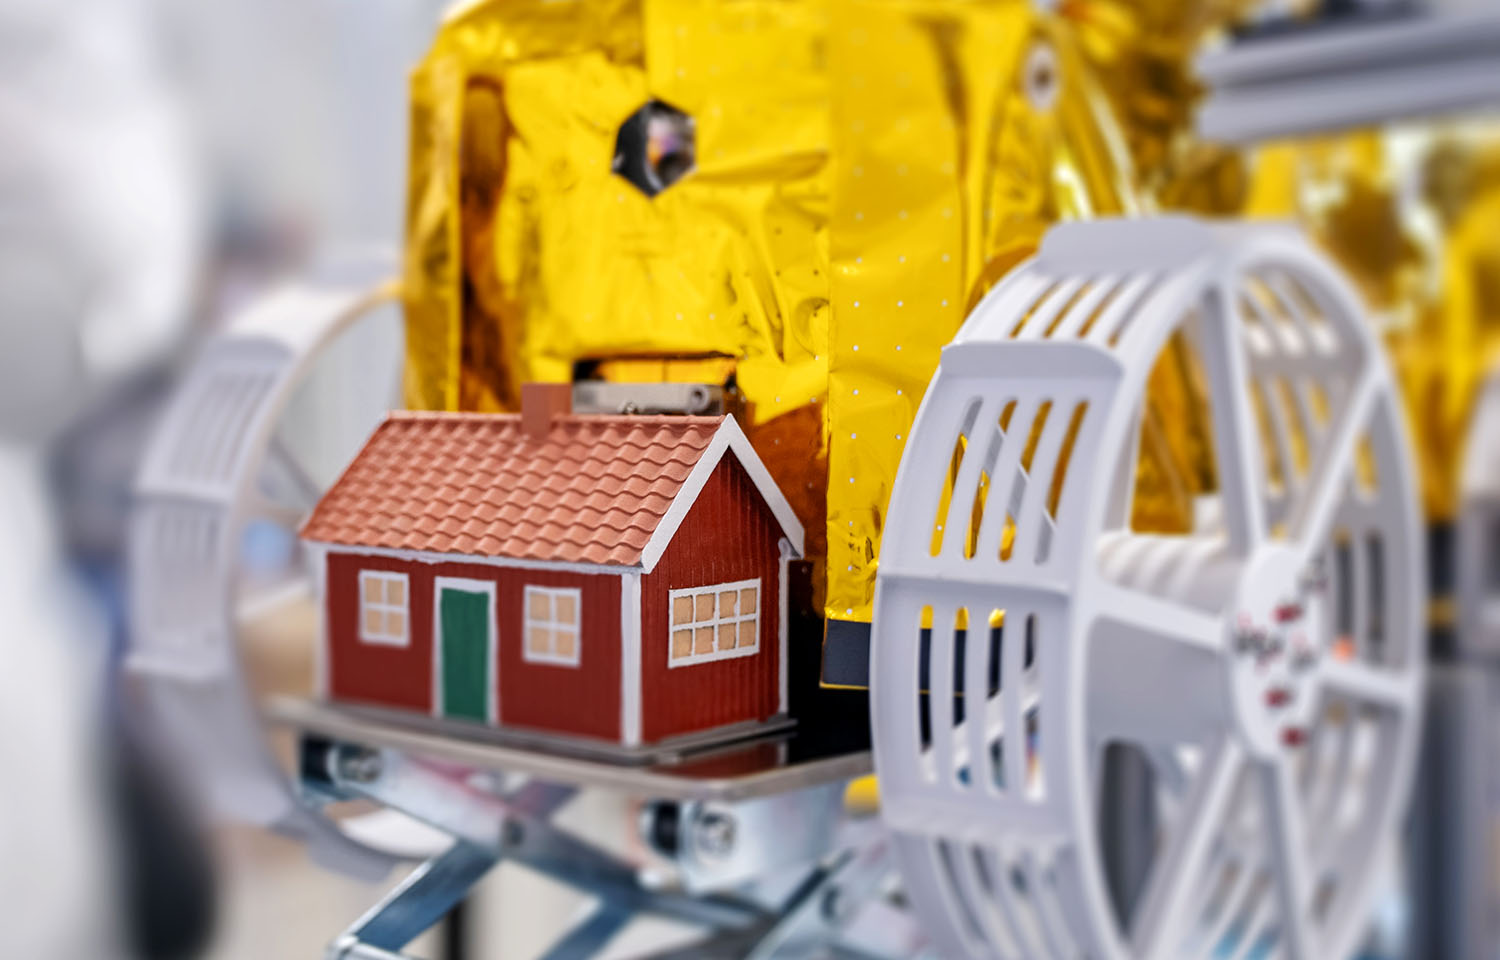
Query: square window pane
point(395, 624)
point(395, 593)
point(566, 643)
point(682, 610)
point(705, 611)
point(565, 610)
point(728, 600)
point(373, 623)
point(704, 639)
point(749, 632)
point(372, 592)
point(747, 600)
point(538, 640)
point(727, 636)
point(682, 643)
point(538, 605)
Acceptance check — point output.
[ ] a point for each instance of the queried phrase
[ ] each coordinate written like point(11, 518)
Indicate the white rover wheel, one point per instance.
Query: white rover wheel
point(1270, 664)
point(216, 465)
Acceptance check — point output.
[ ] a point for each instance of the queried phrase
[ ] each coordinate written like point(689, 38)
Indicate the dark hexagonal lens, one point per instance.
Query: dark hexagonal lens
point(655, 147)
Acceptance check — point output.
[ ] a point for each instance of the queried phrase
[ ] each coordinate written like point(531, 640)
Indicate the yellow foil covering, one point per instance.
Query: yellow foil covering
point(1454, 343)
point(961, 132)
point(526, 256)
point(1410, 216)
point(866, 171)
point(1145, 49)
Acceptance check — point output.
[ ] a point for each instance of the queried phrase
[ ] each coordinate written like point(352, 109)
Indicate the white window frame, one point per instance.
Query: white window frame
point(693, 659)
point(527, 622)
point(403, 608)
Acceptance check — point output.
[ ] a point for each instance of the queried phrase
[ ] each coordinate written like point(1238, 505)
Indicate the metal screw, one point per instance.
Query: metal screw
point(1304, 659)
point(1287, 612)
point(512, 833)
point(715, 834)
point(1250, 640)
point(359, 765)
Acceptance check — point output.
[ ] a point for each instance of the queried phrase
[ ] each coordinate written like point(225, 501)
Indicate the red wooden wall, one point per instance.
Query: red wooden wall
point(366, 672)
point(728, 535)
point(582, 700)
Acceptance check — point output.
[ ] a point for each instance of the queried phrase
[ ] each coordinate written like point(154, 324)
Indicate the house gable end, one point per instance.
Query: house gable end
point(728, 537)
point(729, 439)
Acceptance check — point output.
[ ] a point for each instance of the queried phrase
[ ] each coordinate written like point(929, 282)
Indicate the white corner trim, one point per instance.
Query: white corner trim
point(316, 558)
point(783, 617)
point(730, 437)
point(427, 556)
point(630, 659)
point(492, 684)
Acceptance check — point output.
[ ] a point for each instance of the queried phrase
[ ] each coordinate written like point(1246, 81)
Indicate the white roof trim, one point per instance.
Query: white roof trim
point(430, 556)
point(631, 712)
point(729, 437)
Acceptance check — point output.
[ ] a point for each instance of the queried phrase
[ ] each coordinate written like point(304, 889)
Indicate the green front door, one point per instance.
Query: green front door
point(464, 618)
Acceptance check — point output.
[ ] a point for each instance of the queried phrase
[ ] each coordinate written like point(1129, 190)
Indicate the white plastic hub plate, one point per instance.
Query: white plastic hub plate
point(1275, 643)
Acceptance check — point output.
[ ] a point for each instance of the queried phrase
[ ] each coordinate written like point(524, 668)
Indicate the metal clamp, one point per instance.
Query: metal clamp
point(488, 827)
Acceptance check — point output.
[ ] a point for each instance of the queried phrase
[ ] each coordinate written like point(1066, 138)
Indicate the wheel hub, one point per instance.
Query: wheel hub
point(1275, 651)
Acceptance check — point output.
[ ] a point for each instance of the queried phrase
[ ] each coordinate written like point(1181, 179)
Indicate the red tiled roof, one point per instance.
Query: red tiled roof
point(593, 491)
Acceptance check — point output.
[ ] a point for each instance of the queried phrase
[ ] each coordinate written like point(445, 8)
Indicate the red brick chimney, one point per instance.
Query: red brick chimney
point(541, 403)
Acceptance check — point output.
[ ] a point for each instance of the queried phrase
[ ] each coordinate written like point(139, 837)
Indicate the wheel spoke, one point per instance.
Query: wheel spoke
point(1176, 879)
point(1237, 899)
point(1138, 640)
point(1289, 859)
point(1328, 481)
point(1324, 750)
point(1165, 621)
point(1242, 481)
point(1169, 769)
point(1372, 685)
point(290, 476)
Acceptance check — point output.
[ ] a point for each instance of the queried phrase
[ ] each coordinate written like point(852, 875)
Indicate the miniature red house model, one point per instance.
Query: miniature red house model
point(610, 577)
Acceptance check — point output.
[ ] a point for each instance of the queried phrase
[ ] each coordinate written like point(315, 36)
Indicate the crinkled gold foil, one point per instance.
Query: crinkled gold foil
point(866, 171)
point(1145, 49)
point(1426, 262)
point(961, 132)
point(1454, 345)
point(527, 256)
